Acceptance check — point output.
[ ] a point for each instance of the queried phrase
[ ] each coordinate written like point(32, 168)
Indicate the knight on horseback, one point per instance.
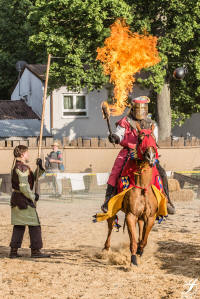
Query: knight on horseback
point(127, 133)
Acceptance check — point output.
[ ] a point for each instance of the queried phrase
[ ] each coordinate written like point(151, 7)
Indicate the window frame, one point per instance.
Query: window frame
point(74, 95)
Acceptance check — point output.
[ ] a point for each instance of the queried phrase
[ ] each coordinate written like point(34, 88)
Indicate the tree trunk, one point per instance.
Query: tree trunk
point(164, 113)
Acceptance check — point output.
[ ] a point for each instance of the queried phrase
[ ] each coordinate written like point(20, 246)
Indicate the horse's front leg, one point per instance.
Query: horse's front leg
point(141, 230)
point(141, 226)
point(110, 227)
point(131, 221)
point(148, 226)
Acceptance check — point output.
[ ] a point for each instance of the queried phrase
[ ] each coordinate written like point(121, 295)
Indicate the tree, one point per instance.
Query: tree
point(14, 36)
point(73, 30)
point(176, 24)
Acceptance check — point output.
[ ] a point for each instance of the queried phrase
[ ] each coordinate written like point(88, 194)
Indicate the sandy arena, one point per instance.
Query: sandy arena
point(79, 269)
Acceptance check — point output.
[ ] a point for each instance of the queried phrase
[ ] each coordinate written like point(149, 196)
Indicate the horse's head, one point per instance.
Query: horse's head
point(150, 155)
point(146, 148)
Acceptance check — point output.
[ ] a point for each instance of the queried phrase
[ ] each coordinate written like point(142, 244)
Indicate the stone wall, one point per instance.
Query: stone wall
point(96, 142)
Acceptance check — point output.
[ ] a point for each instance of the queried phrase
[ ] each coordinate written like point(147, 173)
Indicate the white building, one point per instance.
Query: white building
point(67, 113)
point(18, 121)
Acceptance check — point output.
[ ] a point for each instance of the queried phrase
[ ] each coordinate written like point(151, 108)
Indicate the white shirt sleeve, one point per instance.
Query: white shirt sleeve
point(155, 132)
point(120, 132)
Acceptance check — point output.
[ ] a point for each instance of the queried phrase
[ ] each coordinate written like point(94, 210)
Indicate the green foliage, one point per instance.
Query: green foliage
point(73, 30)
point(176, 24)
point(14, 35)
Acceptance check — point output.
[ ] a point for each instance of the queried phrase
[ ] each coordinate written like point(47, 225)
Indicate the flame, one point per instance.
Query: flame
point(124, 54)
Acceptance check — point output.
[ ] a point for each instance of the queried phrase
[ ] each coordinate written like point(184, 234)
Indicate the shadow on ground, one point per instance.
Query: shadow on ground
point(179, 258)
point(73, 257)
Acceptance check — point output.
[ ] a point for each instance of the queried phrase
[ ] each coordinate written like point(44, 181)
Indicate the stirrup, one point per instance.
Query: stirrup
point(104, 207)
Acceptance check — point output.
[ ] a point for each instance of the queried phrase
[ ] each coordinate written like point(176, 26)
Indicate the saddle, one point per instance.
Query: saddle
point(131, 169)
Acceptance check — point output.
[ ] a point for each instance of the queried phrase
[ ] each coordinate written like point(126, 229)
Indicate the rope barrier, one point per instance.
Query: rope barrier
point(51, 174)
point(188, 171)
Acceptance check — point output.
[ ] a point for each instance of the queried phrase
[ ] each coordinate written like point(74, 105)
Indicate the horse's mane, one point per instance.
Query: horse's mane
point(145, 140)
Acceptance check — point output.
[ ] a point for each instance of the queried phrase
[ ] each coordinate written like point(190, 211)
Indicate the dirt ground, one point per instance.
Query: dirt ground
point(169, 268)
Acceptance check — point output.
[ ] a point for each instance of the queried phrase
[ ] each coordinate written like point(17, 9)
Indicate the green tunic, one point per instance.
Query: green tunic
point(23, 210)
point(26, 216)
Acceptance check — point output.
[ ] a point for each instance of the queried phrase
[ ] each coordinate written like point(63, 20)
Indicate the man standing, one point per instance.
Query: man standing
point(55, 165)
point(23, 207)
point(125, 134)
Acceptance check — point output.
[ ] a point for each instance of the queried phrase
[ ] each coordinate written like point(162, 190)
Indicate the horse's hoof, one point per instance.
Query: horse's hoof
point(133, 260)
point(139, 251)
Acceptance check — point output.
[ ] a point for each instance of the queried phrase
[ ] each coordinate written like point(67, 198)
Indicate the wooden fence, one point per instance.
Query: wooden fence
point(93, 142)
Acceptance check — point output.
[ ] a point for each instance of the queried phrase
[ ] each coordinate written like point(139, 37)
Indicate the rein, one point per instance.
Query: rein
point(140, 173)
point(143, 188)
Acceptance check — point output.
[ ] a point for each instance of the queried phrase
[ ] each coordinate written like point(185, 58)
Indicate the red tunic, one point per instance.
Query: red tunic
point(130, 137)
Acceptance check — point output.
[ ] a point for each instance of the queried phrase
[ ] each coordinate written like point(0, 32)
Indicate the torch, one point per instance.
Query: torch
point(106, 115)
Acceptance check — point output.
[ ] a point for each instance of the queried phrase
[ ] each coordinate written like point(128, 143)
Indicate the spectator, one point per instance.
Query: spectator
point(54, 164)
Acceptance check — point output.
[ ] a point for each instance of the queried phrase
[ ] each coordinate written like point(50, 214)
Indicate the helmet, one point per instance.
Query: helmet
point(139, 107)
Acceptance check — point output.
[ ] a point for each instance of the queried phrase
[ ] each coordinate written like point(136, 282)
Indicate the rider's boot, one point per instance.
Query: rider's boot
point(171, 209)
point(170, 206)
point(109, 193)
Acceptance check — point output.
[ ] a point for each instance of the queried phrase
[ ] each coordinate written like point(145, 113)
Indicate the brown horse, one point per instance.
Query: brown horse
point(139, 205)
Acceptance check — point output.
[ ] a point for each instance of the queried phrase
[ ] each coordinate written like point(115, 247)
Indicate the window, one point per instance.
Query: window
point(74, 105)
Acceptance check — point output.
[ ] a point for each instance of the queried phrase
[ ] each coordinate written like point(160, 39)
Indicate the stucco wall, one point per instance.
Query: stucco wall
point(102, 159)
point(32, 87)
point(91, 126)
point(23, 87)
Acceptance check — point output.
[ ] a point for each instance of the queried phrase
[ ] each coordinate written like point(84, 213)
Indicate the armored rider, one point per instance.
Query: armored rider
point(125, 134)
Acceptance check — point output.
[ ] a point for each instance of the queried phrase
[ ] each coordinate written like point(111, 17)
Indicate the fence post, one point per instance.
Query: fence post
point(102, 142)
point(32, 141)
point(74, 142)
point(65, 141)
point(94, 142)
point(80, 141)
point(2, 143)
point(86, 143)
point(49, 141)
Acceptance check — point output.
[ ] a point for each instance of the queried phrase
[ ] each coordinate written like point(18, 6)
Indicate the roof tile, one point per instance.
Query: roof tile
point(37, 69)
point(16, 110)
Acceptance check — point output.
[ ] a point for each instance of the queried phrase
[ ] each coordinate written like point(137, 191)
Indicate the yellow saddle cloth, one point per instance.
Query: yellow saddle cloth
point(115, 204)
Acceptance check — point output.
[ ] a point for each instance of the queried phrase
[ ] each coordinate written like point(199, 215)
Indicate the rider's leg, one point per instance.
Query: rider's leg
point(117, 167)
point(163, 175)
point(113, 178)
point(110, 192)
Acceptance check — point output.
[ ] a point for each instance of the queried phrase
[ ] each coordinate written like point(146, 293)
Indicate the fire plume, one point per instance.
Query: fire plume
point(124, 54)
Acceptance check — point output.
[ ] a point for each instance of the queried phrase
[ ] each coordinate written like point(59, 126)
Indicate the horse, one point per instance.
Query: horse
point(139, 204)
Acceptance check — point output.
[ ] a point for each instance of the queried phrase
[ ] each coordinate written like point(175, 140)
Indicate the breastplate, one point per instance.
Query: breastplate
point(144, 123)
